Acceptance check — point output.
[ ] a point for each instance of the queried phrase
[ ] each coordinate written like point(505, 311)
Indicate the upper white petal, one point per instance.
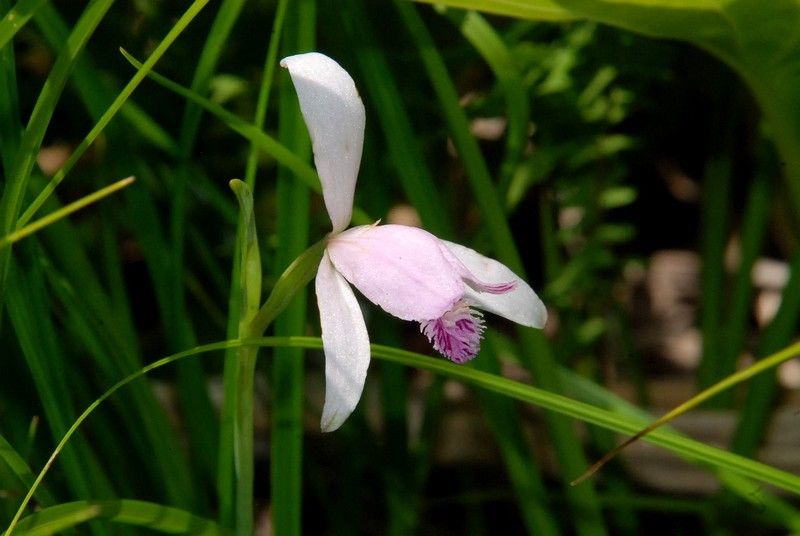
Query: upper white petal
point(521, 304)
point(346, 345)
point(334, 115)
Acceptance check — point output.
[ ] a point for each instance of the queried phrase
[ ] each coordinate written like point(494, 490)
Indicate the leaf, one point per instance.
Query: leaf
point(759, 40)
point(129, 512)
point(16, 18)
point(531, 9)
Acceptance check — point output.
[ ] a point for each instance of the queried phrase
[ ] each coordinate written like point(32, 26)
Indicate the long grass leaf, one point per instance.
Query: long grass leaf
point(10, 123)
point(571, 458)
point(735, 326)
point(288, 370)
point(176, 30)
point(148, 515)
point(775, 508)
point(30, 316)
point(612, 420)
point(96, 92)
point(481, 35)
point(504, 421)
point(17, 465)
point(16, 18)
point(378, 82)
point(761, 394)
point(18, 177)
point(63, 212)
point(200, 420)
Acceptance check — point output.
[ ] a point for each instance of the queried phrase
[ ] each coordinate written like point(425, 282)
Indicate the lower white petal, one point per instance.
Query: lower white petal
point(521, 304)
point(346, 345)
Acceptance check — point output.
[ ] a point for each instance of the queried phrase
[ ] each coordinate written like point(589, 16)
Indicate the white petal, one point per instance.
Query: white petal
point(521, 305)
point(346, 344)
point(334, 115)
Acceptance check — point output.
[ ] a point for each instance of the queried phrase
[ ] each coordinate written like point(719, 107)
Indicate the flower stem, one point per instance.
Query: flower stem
point(243, 434)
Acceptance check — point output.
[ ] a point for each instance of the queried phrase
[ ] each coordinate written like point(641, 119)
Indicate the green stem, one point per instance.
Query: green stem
point(234, 366)
point(754, 227)
point(243, 434)
point(716, 199)
point(298, 274)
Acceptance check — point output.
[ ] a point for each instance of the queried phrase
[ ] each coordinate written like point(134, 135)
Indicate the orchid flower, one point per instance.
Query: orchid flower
point(407, 271)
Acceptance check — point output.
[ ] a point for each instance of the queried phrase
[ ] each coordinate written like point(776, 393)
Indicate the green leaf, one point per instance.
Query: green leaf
point(689, 449)
point(757, 39)
point(17, 179)
point(250, 260)
point(531, 9)
point(23, 475)
point(16, 18)
point(542, 365)
point(125, 511)
point(617, 196)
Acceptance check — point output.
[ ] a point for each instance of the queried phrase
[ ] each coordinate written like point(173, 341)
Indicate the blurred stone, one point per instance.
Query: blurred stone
point(789, 374)
point(679, 184)
point(52, 158)
point(570, 217)
point(770, 274)
point(404, 215)
point(665, 308)
point(766, 306)
point(488, 128)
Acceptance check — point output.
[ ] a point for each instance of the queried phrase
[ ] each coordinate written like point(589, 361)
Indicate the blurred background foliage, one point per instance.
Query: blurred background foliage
point(645, 193)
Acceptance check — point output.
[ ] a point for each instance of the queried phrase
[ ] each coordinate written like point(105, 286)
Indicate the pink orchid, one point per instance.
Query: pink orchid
point(407, 271)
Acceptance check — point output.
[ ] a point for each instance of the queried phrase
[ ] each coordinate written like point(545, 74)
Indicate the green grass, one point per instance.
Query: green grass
point(554, 138)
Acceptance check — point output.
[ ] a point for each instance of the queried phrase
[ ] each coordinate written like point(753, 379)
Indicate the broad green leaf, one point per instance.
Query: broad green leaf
point(757, 39)
point(524, 9)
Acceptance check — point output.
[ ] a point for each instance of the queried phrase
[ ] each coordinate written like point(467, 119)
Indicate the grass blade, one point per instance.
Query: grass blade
point(142, 514)
point(178, 28)
point(10, 125)
point(16, 18)
point(97, 93)
point(377, 81)
point(288, 371)
point(538, 356)
point(611, 420)
point(63, 212)
point(18, 177)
